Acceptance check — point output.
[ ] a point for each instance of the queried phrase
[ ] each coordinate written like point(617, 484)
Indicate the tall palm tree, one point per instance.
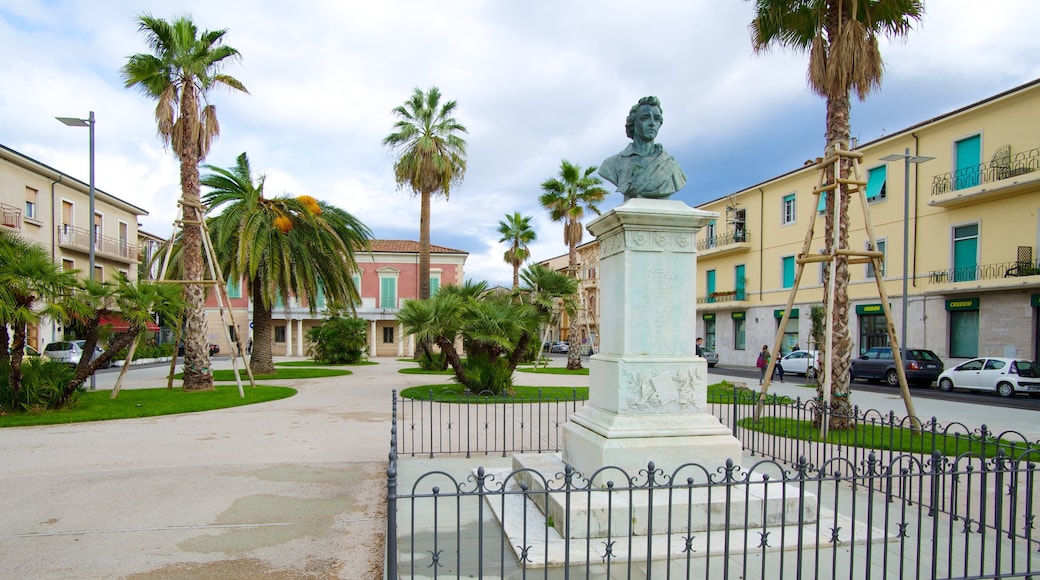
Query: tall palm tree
point(282, 246)
point(567, 198)
point(432, 159)
point(181, 69)
point(31, 283)
point(841, 37)
point(518, 233)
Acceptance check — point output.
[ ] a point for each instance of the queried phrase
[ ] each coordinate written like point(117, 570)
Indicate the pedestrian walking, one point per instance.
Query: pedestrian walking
point(762, 363)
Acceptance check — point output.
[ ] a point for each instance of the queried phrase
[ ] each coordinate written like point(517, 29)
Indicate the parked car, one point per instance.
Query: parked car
point(711, 356)
point(1005, 376)
point(802, 362)
point(213, 349)
point(29, 352)
point(71, 352)
point(560, 346)
point(876, 364)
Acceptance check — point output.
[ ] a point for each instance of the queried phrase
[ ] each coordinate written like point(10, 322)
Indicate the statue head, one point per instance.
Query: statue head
point(630, 121)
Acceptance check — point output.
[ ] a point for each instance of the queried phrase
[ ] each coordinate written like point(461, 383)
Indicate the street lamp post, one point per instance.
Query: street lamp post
point(907, 160)
point(88, 122)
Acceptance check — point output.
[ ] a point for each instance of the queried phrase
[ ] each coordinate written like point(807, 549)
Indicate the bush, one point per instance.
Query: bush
point(436, 361)
point(486, 374)
point(42, 384)
point(339, 340)
point(148, 349)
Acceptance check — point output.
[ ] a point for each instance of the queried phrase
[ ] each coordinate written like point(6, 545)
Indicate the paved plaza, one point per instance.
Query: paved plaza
point(292, 488)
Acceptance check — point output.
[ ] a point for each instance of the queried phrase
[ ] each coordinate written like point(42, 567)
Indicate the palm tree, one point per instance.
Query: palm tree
point(550, 292)
point(841, 37)
point(181, 69)
point(517, 232)
point(283, 247)
point(432, 159)
point(31, 283)
point(567, 198)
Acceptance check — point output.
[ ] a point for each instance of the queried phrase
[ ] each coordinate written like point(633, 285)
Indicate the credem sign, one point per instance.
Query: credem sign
point(962, 304)
point(869, 309)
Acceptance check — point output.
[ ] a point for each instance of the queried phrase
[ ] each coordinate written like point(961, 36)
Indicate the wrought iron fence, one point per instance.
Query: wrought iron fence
point(984, 272)
point(738, 237)
point(473, 425)
point(995, 170)
point(947, 502)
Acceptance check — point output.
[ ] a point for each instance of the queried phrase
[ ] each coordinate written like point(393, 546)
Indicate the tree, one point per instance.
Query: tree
point(432, 159)
point(517, 232)
point(567, 198)
point(339, 340)
point(550, 292)
point(31, 284)
point(181, 69)
point(283, 247)
point(841, 37)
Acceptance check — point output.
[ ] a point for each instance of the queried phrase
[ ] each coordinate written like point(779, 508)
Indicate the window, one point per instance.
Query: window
point(739, 219)
point(787, 271)
point(739, 333)
point(876, 179)
point(710, 285)
point(788, 210)
point(969, 156)
point(232, 333)
point(435, 284)
point(873, 331)
point(30, 202)
point(388, 292)
point(870, 266)
point(234, 289)
point(388, 334)
point(124, 239)
point(68, 265)
point(741, 279)
point(357, 286)
point(279, 333)
point(709, 333)
point(711, 234)
point(790, 338)
point(965, 252)
point(99, 273)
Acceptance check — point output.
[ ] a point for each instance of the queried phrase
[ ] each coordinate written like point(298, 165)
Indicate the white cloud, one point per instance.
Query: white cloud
point(536, 82)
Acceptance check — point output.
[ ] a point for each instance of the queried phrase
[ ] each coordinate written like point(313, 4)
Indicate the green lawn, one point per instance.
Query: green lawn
point(136, 403)
point(555, 371)
point(420, 371)
point(454, 393)
point(279, 375)
point(313, 363)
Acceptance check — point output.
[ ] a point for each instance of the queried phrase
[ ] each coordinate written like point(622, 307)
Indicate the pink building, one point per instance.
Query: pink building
point(389, 274)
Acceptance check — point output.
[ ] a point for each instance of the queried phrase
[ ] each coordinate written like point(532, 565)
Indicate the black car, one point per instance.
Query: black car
point(922, 367)
point(213, 349)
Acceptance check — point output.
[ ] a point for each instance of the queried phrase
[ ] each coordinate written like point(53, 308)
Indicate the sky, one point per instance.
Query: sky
point(536, 82)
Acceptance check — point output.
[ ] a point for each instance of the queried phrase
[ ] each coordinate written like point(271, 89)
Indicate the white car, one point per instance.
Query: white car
point(802, 362)
point(1006, 376)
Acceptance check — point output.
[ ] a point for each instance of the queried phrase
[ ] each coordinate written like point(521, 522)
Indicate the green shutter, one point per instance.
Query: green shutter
point(739, 273)
point(435, 283)
point(388, 292)
point(788, 274)
point(876, 183)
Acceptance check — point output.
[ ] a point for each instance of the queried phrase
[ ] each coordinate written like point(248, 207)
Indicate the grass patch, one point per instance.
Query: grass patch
point(137, 403)
point(421, 371)
point(556, 371)
point(898, 439)
point(452, 393)
point(725, 392)
point(314, 363)
point(279, 374)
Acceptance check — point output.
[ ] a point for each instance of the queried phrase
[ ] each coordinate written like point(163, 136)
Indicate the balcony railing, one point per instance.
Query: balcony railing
point(723, 296)
point(995, 170)
point(984, 272)
point(79, 238)
point(10, 216)
point(722, 241)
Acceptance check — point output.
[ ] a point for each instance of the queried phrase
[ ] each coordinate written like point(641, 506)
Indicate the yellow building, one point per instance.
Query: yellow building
point(971, 218)
point(972, 229)
point(48, 207)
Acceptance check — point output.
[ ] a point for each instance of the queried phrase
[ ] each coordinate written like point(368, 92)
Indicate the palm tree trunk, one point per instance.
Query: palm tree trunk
point(261, 360)
point(424, 246)
point(838, 107)
point(197, 373)
point(17, 354)
point(573, 355)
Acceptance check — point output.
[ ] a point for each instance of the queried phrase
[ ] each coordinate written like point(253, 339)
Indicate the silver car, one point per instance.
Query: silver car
point(71, 352)
point(711, 356)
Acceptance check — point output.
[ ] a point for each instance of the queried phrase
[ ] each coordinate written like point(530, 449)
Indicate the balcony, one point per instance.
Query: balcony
point(10, 216)
point(984, 276)
point(733, 243)
point(79, 239)
point(723, 296)
point(1003, 176)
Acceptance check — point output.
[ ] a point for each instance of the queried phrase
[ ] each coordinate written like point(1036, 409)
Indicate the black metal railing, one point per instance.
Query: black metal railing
point(724, 240)
point(984, 272)
point(989, 172)
point(723, 296)
point(804, 509)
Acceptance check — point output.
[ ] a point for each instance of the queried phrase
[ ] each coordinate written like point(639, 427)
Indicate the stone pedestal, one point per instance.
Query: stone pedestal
point(648, 390)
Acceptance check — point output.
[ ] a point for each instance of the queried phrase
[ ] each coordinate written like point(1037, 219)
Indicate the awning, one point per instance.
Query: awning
point(119, 325)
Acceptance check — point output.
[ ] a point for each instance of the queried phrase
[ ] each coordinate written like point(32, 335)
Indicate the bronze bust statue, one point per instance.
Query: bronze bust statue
point(644, 169)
